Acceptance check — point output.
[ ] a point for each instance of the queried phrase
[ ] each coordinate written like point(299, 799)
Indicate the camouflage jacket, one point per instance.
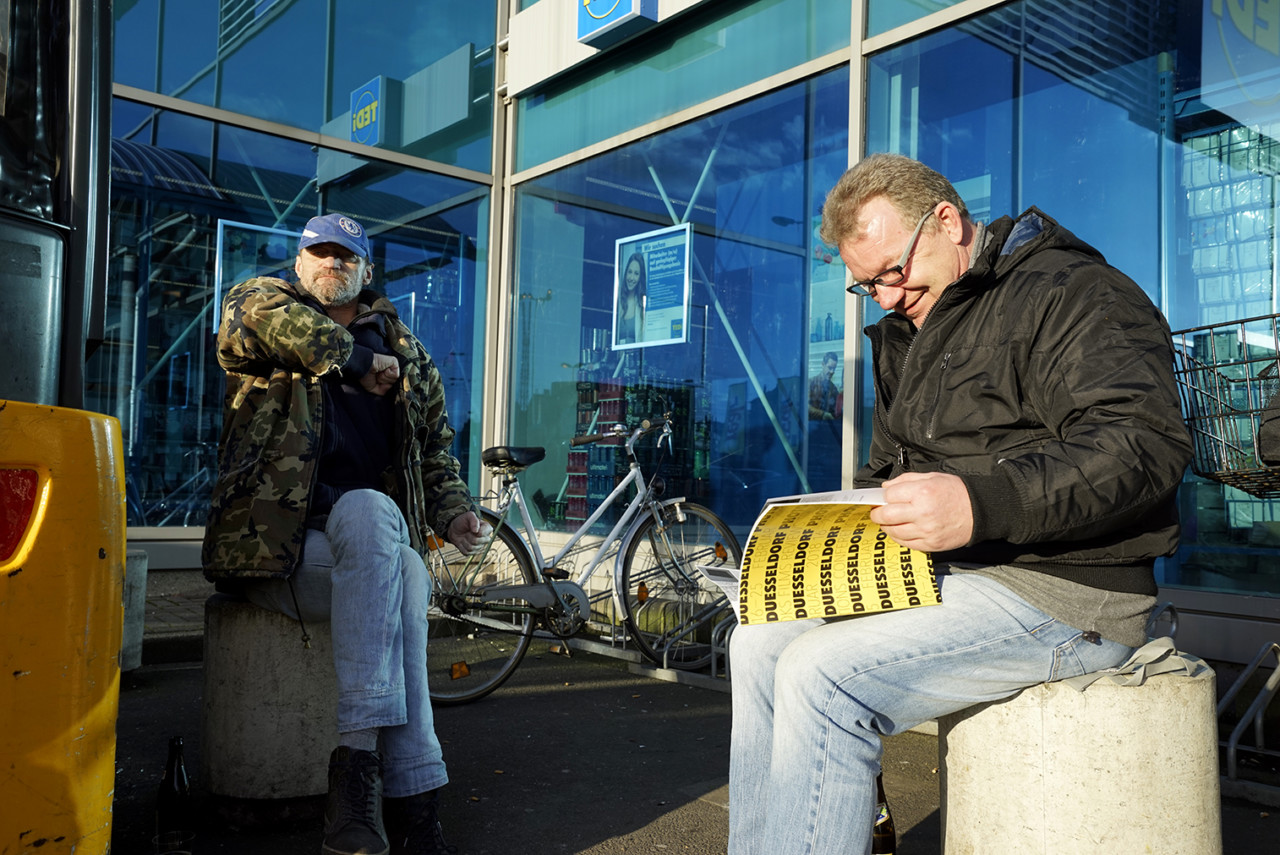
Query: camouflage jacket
point(276, 350)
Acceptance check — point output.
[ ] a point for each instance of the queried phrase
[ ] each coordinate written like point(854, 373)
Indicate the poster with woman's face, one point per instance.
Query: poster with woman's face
point(651, 288)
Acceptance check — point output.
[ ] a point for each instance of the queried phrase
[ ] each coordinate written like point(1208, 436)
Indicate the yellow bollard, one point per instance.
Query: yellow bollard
point(62, 557)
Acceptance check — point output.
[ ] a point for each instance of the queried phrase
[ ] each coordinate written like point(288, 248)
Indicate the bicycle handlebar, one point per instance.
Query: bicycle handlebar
point(618, 430)
point(589, 438)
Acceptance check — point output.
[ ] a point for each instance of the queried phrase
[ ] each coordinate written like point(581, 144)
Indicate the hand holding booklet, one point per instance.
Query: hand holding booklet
point(819, 555)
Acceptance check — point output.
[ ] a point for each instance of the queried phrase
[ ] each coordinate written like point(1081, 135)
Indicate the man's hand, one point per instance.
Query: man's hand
point(926, 511)
point(469, 533)
point(382, 375)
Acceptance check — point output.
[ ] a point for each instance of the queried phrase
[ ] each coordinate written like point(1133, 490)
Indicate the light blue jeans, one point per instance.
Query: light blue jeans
point(812, 698)
point(361, 575)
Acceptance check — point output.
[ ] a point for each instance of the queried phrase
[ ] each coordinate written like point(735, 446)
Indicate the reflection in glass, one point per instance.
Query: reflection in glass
point(1139, 127)
point(722, 48)
point(751, 181)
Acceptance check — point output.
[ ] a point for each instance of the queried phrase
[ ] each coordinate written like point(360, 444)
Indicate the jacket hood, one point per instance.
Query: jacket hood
point(1033, 231)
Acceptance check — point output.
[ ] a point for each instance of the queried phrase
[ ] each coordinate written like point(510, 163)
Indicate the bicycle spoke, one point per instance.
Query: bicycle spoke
point(672, 610)
point(473, 647)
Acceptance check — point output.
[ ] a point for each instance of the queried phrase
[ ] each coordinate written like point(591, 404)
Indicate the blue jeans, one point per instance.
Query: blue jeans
point(812, 698)
point(361, 575)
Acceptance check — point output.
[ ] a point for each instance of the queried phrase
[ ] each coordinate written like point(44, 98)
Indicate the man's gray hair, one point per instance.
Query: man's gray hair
point(910, 186)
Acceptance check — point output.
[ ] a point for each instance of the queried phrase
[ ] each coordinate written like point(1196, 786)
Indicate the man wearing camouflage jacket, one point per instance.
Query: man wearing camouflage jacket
point(334, 470)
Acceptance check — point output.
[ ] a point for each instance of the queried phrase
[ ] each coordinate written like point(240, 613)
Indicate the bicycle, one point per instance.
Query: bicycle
point(485, 608)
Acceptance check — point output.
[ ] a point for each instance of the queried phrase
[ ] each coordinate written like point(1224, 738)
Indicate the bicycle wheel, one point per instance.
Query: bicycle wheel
point(471, 652)
point(671, 608)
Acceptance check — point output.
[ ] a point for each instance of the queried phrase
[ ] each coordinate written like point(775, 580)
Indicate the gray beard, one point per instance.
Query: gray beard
point(331, 297)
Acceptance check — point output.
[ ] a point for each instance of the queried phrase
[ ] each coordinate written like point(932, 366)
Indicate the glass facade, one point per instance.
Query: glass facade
point(422, 86)
point(198, 205)
point(884, 15)
point(764, 299)
point(717, 48)
point(1146, 128)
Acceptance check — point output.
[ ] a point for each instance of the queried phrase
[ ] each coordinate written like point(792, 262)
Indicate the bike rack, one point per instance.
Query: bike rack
point(720, 644)
point(721, 628)
point(1256, 711)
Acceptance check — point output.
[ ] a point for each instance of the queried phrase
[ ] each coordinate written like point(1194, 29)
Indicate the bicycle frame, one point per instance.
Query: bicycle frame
point(512, 493)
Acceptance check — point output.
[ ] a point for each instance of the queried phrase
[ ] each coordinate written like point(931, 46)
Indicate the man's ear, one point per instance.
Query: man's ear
point(368, 273)
point(952, 222)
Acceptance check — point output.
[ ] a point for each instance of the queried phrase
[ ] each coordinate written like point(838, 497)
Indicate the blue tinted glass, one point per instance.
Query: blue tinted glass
point(131, 120)
point(884, 15)
point(265, 74)
point(972, 134)
point(135, 37)
point(279, 60)
point(189, 46)
point(751, 180)
point(1153, 149)
point(719, 50)
point(187, 224)
point(441, 57)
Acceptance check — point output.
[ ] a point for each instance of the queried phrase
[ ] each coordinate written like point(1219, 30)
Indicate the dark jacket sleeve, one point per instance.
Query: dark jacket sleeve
point(1100, 378)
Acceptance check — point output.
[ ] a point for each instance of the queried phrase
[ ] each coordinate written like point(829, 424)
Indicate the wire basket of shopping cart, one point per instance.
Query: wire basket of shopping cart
point(1228, 378)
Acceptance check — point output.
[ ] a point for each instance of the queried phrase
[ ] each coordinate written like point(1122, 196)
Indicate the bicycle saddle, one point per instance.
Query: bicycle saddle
point(511, 458)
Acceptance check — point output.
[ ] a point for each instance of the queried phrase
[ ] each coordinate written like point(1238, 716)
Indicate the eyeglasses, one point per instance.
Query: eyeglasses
point(892, 276)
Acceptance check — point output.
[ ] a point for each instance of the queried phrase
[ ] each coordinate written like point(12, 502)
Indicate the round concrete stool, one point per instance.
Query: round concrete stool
point(1057, 771)
point(269, 717)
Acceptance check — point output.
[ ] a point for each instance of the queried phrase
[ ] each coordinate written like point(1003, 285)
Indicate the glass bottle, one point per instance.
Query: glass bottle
point(173, 802)
point(884, 837)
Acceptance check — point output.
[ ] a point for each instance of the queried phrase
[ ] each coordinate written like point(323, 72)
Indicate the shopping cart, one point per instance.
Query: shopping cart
point(1228, 377)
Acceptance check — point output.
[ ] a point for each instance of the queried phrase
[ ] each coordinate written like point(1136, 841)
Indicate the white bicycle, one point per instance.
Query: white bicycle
point(485, 608)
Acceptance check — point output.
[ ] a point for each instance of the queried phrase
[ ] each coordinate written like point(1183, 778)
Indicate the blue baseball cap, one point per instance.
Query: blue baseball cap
point(335, 228)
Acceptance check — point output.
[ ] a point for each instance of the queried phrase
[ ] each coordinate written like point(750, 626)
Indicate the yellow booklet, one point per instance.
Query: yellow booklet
point(818, 555)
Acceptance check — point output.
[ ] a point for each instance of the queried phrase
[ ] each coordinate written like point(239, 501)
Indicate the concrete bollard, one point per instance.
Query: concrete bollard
point(269, 717)
point(135, 608)
point(1055, 771)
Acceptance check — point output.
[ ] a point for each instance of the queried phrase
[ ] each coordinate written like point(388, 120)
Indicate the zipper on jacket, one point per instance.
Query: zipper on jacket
point(933, 417)
point(902, 373)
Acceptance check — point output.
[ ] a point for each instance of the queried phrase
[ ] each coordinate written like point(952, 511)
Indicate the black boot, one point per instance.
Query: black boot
point(414, 827)
point(353, 813)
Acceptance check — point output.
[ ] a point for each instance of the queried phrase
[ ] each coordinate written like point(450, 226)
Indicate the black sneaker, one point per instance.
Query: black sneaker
point(413, 825)
point(353, 812)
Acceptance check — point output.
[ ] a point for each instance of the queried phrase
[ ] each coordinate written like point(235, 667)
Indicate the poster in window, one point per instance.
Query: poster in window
point(651, 288)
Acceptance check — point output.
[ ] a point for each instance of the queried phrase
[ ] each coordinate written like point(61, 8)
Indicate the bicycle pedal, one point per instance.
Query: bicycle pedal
point(556, 573)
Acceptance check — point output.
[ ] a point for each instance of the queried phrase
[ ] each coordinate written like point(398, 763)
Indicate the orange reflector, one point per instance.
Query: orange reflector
point(721, 552)
point(433, 542)
point(17, 502)
point(458, 670)
point(642, 593)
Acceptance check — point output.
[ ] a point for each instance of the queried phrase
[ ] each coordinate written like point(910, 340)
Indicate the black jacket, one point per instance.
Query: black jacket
point(1043, 378)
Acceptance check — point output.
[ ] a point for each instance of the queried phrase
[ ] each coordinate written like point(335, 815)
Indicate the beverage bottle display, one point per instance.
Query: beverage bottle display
point(173, 801)
point(884, 838)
